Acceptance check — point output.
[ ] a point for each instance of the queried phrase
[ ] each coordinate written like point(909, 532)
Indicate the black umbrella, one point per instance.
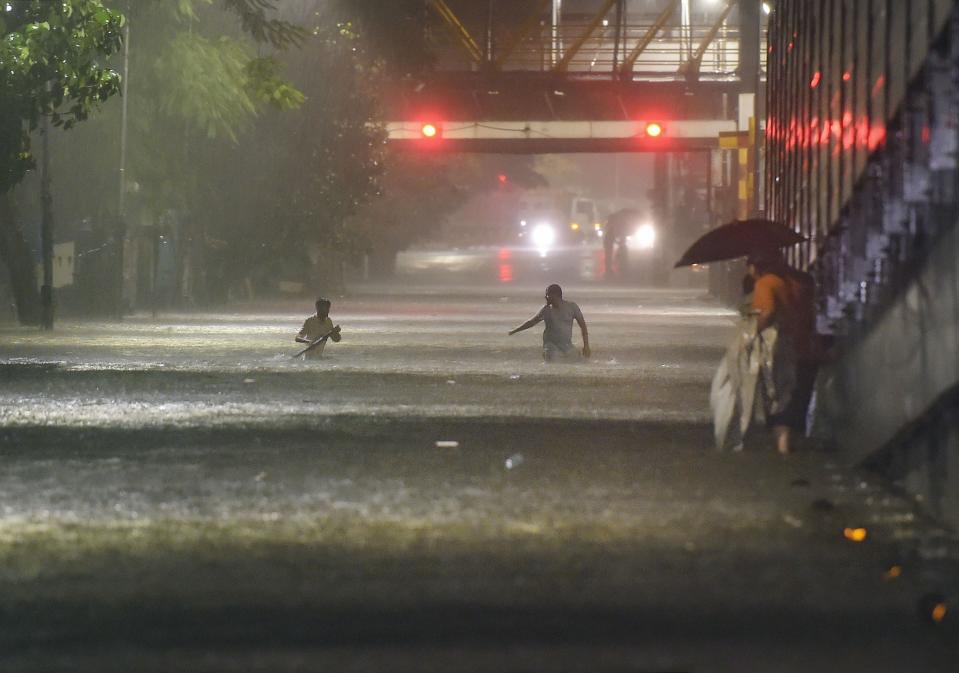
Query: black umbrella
point(738, 239)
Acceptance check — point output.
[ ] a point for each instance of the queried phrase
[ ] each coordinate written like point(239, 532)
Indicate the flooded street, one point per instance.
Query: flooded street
point(179, 494)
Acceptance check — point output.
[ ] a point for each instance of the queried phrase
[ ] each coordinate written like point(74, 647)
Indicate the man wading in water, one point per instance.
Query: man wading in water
point(558, 335)
point(317, 329)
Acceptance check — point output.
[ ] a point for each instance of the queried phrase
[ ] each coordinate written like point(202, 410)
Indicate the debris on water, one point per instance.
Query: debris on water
point(933, 608)
point(447, 444)
point(792, 521)
point(451, 382)
point(514, 461)
point(855, 534)
point(514, 377)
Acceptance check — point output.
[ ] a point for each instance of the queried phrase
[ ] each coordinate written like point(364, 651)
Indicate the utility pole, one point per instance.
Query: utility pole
point(557, 37)
point(46, 233)
point(121, 228)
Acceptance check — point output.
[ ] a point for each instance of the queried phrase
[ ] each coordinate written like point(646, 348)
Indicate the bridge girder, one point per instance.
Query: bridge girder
point(545, 137)
point(511, 96)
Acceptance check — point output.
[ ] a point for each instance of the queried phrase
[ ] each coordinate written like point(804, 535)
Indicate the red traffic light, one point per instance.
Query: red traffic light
point(654, 130)
point(429, 130)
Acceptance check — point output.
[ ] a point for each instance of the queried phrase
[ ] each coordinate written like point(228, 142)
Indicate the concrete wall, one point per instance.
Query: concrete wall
point(898, 386)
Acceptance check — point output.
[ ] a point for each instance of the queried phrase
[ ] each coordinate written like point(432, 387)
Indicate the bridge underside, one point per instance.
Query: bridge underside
point(470, 96)
point(540, 137)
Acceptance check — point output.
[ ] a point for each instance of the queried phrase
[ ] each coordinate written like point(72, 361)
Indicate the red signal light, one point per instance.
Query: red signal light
point(429, 130)
point(654, 130)
point(503, 179)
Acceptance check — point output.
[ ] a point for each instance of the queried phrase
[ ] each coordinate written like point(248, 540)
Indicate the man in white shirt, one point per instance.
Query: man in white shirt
point(317, 326)
point(558, 314)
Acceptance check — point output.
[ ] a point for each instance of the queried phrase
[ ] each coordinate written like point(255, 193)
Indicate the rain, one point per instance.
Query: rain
point(286, 381)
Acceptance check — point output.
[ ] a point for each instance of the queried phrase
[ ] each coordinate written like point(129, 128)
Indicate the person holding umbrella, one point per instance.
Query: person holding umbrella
point(781, 341)
point(783, 297)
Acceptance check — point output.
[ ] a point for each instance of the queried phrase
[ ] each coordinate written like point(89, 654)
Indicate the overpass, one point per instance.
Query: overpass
point(583, 75)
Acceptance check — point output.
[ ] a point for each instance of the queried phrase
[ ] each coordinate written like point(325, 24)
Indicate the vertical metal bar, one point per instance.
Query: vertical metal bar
point(617, 39)
point(557, 42)
point(488, 42)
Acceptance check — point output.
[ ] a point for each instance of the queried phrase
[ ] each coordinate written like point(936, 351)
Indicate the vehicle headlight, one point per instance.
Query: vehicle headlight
point(543, 236)
point(645, 237)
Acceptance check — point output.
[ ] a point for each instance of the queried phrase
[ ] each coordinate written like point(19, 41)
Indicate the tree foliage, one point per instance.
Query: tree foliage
point(52, 56)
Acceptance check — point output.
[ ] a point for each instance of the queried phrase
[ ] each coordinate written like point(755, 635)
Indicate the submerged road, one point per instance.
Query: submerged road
point(179, 495)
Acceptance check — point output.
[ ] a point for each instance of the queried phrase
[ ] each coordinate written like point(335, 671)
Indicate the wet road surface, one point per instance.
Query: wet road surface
point(180, 494)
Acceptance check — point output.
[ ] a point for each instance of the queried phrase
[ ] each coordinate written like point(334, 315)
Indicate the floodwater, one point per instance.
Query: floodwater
point(180, 494)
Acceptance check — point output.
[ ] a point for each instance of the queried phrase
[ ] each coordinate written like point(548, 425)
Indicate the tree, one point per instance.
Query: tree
point(324, 160)
point(51, 64)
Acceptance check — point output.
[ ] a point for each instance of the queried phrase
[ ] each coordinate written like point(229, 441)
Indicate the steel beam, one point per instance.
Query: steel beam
point(627, 67)
point(532, 137)
point(460, 31)
point(691, 67)
point(588, 33)
point(532, 21)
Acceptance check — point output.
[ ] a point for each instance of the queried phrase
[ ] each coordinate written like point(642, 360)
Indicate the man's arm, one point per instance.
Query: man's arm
point(581, 321)
point(336, 336)
point(300, 338)
point(529, 323)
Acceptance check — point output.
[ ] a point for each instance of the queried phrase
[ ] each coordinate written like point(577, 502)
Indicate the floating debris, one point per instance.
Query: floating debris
point(855, 534)
point(933, 608)
point(792, 521)
point(514, 461)
point(447, 444)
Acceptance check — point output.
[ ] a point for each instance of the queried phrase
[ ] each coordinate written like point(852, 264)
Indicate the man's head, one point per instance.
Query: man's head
point(554, 294)
point(323, 307)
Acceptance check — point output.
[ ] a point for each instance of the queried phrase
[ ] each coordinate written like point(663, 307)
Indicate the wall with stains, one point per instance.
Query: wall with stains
point(861, 157)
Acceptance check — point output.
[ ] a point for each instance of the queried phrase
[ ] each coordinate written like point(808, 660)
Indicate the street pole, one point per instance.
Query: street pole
point(46, 232)
point(557, 47)
point(120, 232)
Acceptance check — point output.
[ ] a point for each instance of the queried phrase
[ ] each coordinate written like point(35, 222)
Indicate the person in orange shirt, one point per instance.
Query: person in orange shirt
point(784, 297)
